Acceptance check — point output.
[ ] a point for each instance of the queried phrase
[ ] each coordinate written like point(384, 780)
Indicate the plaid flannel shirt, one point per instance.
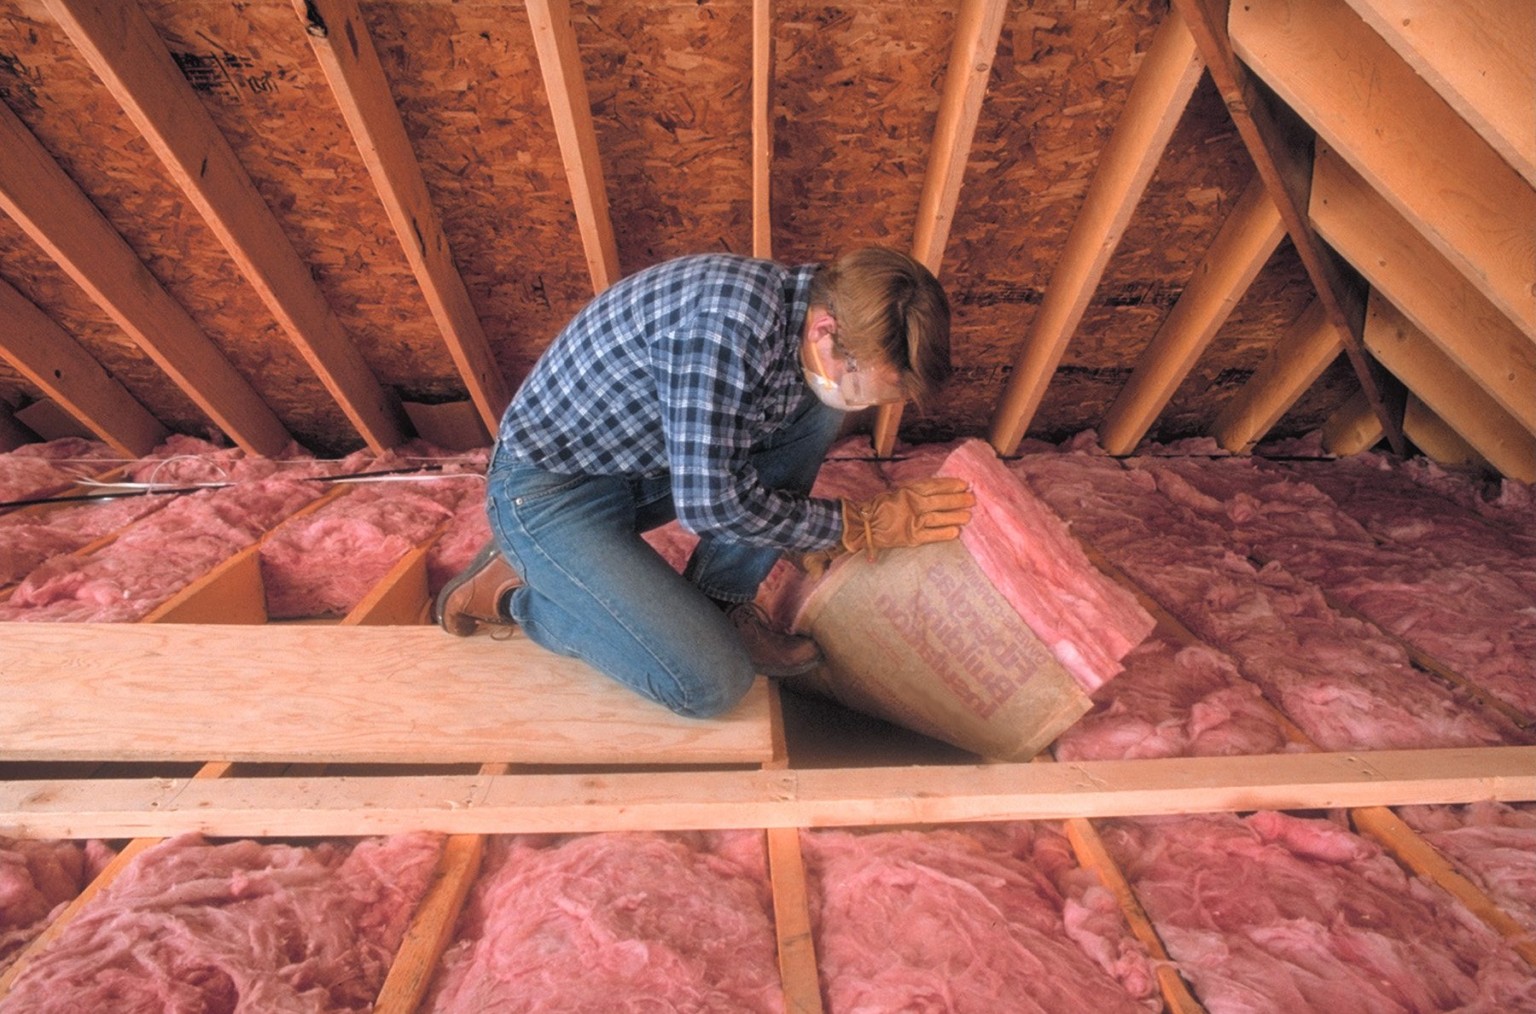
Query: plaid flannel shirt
point(680, 370)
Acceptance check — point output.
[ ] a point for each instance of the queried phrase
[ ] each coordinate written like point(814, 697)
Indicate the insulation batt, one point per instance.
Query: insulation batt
point(462, 537)
point(1174, 700)
point(1278, 913)
point(615, 923)
point(157, 556)
point(195, 928)
point(29, 540)
point(977, 920)
point(35, 470)
point(322, 564)
point(37, 878)
point(1493, 845)
point(1443, 579)
point(1087, 620)
point(1343, 682)
point(1507, 504)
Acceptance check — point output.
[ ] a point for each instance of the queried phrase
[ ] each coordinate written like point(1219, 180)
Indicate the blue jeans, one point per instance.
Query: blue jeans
point(595, 590)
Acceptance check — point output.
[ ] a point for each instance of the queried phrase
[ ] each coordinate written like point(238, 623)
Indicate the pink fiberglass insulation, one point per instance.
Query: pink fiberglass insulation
point(1508, 504)
point(1174, 700)
point(36, 879)
point(462, 537)
point(1277, 913)
point(979, 919)
point(1387, 502)
point(614, 923)
point(37, 470)
point(322, 564)
point(1493, 845)
point(1446, 582)
point(1087, 620)
point(196, 927)
point(1344, 683)
point(29, 540)
point(157, 556)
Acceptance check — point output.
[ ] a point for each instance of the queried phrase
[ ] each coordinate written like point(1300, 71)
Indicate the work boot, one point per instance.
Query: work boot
point(773, 652)
point(478, 596)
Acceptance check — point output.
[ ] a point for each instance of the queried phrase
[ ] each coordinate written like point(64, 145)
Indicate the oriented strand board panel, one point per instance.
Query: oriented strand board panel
point(48, 85)
point(474, 105)
point(676, 156)
point(856, 98)
point(335, 694)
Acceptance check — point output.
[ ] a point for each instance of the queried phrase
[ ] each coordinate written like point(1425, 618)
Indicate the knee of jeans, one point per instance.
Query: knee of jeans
point(712, 694)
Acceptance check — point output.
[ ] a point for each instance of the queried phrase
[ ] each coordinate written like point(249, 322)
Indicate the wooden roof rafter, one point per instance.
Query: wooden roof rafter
point(345, 50)
point(1435, 437)
point(1280, 147)
point(1478, 57)
point(1158, 97)
point(762, 128)
point(1353, 427)
point(52, 209)
point(554, 38)
point(978, 26)
point(122, 47)
point(1442, 385)
point(1295, 362)
point(1247, 239)
point(1403, 138)
point(58, 365)
point(1440, 300)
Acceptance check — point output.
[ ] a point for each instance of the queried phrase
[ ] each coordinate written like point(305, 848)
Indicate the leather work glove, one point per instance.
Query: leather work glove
point(914, 514)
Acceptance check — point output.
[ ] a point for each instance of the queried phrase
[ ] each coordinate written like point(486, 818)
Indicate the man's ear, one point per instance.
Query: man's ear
point(820, 324)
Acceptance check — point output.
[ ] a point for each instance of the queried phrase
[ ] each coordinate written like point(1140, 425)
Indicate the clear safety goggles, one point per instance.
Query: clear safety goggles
point(856, 389)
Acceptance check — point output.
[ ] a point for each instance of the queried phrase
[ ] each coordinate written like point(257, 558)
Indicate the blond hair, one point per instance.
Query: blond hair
point(889, 309)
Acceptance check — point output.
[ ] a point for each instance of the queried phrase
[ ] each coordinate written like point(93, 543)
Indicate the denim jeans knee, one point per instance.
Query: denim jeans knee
point(596, 591)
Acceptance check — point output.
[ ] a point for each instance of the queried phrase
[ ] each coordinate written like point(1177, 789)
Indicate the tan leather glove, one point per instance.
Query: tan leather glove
point(920, 512)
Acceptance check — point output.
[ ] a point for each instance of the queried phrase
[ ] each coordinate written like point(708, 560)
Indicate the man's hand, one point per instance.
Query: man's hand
point(920, 512)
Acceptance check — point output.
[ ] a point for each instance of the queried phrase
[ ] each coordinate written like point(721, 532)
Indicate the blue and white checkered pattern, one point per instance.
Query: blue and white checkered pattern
point(679, 369)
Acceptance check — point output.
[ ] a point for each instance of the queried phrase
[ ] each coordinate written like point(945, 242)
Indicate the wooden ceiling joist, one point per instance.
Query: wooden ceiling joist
point(748, 799)
point(1281, 149)
point(342, 44)
point(1293, 365)
point(123, 49)
point(1246, 241)
point(1444, 387)
point(1158, 97)
point(57, 364)
point(1407, 142)
point(762, 128)
point(1439, 299)
point(50, 207)
point(978, 25)
point(791, 897)
point(1478, 57)
point(554, 37)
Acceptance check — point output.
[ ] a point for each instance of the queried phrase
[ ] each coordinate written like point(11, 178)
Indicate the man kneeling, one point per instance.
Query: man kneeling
point(707, 389)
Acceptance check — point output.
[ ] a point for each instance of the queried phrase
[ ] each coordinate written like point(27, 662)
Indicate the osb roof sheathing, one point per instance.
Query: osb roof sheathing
point(856, 97)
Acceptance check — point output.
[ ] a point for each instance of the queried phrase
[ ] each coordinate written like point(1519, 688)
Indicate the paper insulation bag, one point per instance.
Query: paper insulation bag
point(921, 637)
